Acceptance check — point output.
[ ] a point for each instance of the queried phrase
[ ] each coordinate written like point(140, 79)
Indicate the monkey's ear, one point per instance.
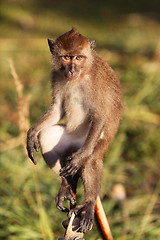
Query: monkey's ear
point(51, 45)
point(92, 44)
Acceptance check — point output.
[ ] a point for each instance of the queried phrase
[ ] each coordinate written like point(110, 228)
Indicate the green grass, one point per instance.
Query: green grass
point(128, 38)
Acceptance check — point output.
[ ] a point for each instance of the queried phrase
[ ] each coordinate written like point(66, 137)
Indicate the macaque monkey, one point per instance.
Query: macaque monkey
point(86, 93)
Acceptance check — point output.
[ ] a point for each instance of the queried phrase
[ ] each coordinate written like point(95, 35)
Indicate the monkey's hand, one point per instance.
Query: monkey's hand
point(65, 192)
point(32, 143)
point(76, 161)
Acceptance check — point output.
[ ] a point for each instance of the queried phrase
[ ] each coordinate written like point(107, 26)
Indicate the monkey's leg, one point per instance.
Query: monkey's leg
point(52, 148)
point(67, 191)
point(74, 182)
point(91, 175)
point(55, 143)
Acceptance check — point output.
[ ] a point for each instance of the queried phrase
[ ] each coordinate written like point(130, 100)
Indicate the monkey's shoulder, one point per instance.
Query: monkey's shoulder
point(102, 69)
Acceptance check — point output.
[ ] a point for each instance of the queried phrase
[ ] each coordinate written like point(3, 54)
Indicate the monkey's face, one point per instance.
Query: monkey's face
point(72, 65)
point(72, 54)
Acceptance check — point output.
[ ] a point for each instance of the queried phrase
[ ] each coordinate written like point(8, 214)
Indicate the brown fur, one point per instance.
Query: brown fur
point(70, 40)
point(86, 92)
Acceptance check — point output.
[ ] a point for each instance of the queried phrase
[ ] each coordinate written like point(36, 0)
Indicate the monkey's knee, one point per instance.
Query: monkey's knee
point(49, 139)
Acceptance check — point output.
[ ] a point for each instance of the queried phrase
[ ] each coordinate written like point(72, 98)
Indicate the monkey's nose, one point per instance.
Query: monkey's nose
point(72, 68)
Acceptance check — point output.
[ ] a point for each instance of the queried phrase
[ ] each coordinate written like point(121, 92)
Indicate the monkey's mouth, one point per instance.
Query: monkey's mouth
point(71, 75)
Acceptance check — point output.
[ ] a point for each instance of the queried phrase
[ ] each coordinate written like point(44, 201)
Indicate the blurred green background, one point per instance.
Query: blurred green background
point(128, 37)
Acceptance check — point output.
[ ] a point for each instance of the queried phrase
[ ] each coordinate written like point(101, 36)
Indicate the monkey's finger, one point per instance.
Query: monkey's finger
point(33, 160)
point(62, 208)
point(61, 171)
point(71, 199)
point(31, 156)
point(64, 172)
point(36, 147)
point(86, 225)
point(68, 170)
point(59, 204)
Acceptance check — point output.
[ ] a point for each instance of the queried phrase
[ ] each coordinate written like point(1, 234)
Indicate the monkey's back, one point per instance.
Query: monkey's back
point(108, 94)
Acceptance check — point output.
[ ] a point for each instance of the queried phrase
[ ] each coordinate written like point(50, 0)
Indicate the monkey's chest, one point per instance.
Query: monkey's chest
point(76, 111)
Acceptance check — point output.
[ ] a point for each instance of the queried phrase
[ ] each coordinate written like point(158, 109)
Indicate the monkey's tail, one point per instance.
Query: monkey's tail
point(102, 220)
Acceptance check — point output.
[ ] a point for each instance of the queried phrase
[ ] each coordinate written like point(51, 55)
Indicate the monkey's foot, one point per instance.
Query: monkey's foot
point(70, 234)
point(84, 216)
point(65, 192)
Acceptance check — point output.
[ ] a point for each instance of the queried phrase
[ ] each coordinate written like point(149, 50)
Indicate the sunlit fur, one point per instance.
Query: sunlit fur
point(86, 94)
point(72, 44)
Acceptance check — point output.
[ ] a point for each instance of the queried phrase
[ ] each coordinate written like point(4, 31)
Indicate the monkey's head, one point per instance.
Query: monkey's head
point(72, 54)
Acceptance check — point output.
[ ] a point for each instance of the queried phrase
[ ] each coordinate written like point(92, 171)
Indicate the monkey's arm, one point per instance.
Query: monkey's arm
point(78, 158)
point(51, 117)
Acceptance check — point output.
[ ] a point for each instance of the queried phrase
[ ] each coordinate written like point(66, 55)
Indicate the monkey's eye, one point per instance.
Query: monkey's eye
point(67, 57)
point(78, 58)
